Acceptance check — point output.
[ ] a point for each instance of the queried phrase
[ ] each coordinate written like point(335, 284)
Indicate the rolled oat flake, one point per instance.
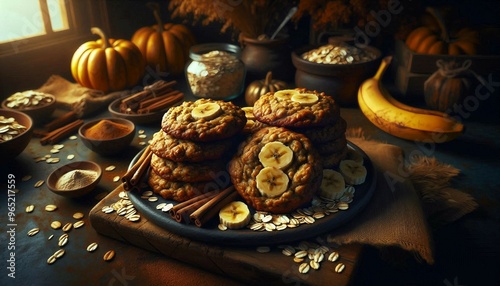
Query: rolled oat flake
point(109, 255)
point(92, 247)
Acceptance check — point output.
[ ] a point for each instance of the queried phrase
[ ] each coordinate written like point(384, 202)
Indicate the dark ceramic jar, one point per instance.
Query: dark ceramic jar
point(263, 55)
point(339, 81)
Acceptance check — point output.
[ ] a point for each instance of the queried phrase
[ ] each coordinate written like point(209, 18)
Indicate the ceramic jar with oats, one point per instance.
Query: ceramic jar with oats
point(215, 71)
point(336, 69)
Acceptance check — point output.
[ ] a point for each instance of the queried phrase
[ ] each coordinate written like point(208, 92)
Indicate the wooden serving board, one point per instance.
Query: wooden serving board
point(241, 263)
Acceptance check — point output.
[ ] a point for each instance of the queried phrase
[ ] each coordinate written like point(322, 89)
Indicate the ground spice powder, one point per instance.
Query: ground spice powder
point(106, 129)
point(76, 179)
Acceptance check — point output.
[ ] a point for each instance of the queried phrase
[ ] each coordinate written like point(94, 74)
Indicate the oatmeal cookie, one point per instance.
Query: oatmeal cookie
point(253, 126)
point(332, 160)
point(329, 147)
point(179, 150)
point(179, 191)
point(325, 133)
point(187, 171)
point(190, 121)
point(301, 171)
point(285, 112)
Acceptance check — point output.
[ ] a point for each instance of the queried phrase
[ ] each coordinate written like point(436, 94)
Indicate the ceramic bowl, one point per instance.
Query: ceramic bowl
point(147, 118)
point(339, 81)
point(15, 146)
point(39, 114)
point(76, 192)
point(110, 146)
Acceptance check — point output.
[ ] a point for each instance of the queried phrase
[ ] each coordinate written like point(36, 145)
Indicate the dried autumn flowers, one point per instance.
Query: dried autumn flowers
point(333, 14)
point(251, 18)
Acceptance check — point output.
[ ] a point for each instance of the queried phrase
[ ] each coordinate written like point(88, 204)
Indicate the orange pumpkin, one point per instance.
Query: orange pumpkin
point(165, 47)
point(436, 40)
point(260, 87)
point(107, 64)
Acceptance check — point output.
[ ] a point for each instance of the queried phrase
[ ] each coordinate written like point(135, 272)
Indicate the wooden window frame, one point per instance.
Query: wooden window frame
point(28, 63)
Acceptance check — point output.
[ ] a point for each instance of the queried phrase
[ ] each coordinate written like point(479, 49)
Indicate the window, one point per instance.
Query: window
point(39, 37)
point(31, 18)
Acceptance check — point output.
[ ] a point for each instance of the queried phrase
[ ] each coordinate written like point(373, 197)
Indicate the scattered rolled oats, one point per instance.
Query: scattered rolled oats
point(340, 267)
point(39, 183)
point(50, 208)
point(33, 231)
point(78, 215)
point(109, 255)
point(78, 224)
point(110, 168)
point(92, 247)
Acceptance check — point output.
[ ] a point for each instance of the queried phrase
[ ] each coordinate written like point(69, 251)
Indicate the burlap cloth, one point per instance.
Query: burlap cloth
point(72, 96)
point(409, 201)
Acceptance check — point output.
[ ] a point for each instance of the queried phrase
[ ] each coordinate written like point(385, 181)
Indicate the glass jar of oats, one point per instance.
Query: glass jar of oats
point(215, 71)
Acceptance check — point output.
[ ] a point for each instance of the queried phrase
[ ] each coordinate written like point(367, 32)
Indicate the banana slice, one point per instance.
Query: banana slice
point(354, 173)
point(271, 182)
point(285, 94)
point(355, 156)
point(235, 215)
point(275, 154)
point(207, 111)
point(332, 185)
point(305, 98)
point(248, 112)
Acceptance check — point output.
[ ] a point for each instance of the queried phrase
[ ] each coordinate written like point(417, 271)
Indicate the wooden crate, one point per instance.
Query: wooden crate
point(410, 70)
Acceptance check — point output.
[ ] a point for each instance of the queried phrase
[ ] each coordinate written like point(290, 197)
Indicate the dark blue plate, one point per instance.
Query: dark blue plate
point(246, 237)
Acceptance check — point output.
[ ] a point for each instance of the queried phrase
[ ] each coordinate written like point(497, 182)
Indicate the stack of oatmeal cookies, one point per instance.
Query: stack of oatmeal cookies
point(191, 151)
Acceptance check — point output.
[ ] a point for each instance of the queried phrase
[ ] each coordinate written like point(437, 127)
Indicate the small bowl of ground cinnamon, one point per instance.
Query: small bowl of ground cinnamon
point(107, 136)
point(75, 179)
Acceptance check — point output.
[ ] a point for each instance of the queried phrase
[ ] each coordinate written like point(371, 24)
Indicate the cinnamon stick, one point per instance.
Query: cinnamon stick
point(173, 211)
point(127, 177)
point(161, 104)
point(157, 98)
point(160, 86)
point(213, 206)
point(136, 96)
point(184, 213)
point(136, 178)
point(61, 121)
point(61, 132)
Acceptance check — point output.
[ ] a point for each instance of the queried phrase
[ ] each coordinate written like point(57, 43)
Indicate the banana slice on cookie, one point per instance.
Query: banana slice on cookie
point(285, 94)
point(332, 185)
point(248, 112)
point(207, 111)
point(235, 215)
point(276, 154)
point(354, 173)
point(271, 182)
point(305, 98)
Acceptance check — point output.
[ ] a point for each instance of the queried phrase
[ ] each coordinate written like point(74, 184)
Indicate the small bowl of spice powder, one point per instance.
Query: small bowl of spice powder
point(75, 179)
point(107, 136)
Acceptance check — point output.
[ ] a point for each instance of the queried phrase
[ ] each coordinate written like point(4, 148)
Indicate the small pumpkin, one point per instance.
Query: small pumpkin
point(107, 64)
point(260, 87)
point(165, 47)
point(436, 40)
point(448, 85)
